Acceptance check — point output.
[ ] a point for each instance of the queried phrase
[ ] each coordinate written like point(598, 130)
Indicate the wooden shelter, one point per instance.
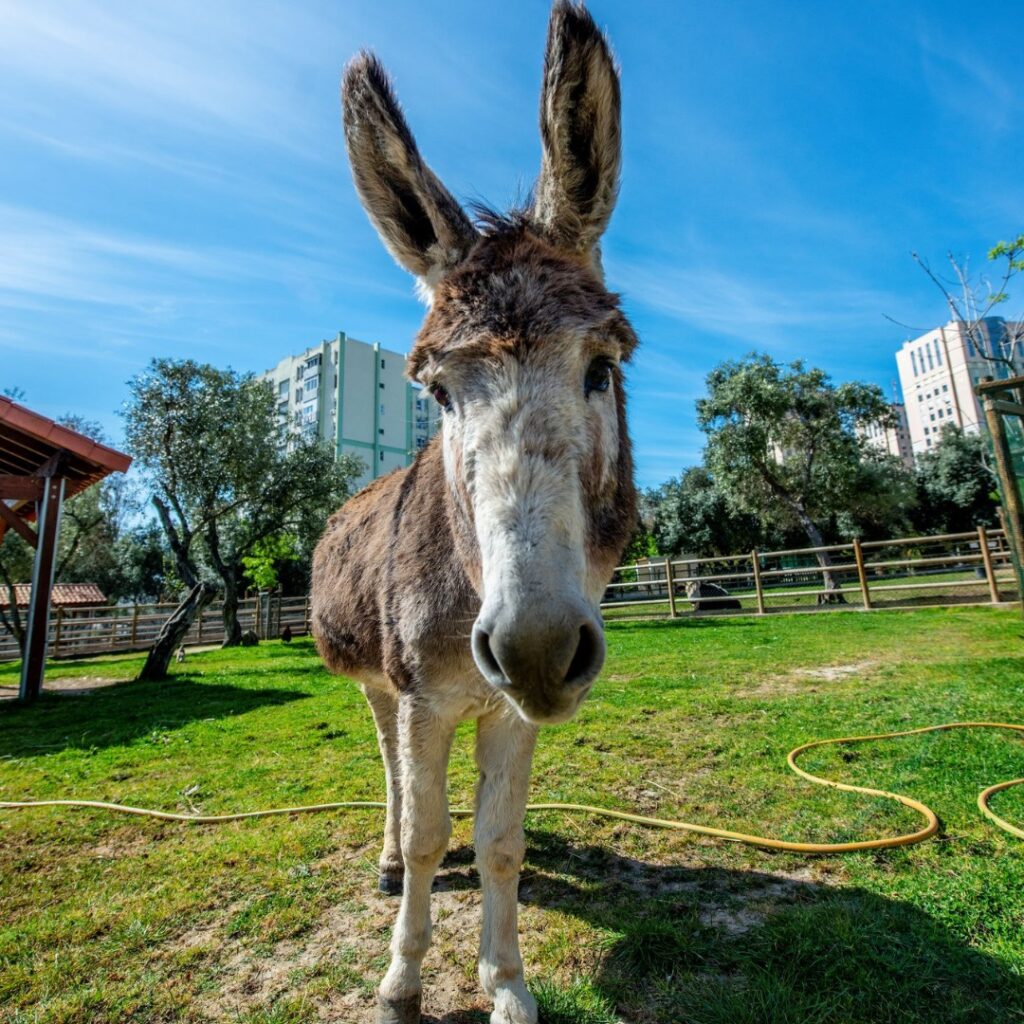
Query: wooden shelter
point(41, 465)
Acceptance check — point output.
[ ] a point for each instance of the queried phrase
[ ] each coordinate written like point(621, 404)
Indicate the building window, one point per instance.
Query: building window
point(945, 387)
point(382, 364)
point(382, 408)
point(938, 352)
point(380, 430)
point(940, 414)
point(928, 353)
point(913, 362)
point(282, 408)
point(382, 385)
point(282, 389)
point(312, 361)
point(312, 384)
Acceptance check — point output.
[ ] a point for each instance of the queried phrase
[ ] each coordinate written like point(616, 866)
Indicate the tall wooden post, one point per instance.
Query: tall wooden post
point(135, 623)
point(48, 519)
point(858, 556)
point(670, 577)
point(755, 561)
point(1007, 484)
point(986, 561)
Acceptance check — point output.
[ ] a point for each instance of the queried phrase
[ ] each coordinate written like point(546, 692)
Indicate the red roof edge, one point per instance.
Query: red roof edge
point(53, 433)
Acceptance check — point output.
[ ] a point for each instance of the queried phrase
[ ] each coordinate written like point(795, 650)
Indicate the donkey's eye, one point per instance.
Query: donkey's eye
point(441, 396)
point(599, 376)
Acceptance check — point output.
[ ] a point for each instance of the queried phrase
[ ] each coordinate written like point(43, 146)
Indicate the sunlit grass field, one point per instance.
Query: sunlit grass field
point(106, 919)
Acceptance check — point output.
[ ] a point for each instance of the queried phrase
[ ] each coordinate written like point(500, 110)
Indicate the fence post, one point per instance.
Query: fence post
point(199, 630)
point(671, 580)
point(858, 556)
point(986, 558)
point(755, 561)
point(135, 623)
point(56, 634)
point(305, 613)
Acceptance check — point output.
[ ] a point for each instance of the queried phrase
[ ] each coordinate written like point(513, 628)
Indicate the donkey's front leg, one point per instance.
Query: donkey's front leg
point(424, 743)
point(504, 750)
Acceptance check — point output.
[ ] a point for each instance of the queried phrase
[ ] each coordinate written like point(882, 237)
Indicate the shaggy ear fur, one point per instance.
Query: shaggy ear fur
point(418, 219)
point(581, 133)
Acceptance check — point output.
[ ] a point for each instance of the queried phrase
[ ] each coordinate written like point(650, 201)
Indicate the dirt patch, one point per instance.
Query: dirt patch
point(76, 686)
point(830, 673)
point(796, 680)
point(344, 950)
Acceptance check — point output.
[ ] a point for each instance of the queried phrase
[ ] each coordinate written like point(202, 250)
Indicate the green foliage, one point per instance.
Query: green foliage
point(642, 545)
point(224, 479)
point(783, 446)
point(263, 565)
point(691, 515)
point(954, 486)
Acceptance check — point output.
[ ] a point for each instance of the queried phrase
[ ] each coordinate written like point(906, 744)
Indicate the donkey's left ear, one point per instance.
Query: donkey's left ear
point(418, 219)
point(580, 124)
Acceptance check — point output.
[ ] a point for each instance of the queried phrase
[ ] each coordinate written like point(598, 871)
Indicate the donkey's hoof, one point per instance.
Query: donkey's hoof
point(398, 1011)
point(390, 883)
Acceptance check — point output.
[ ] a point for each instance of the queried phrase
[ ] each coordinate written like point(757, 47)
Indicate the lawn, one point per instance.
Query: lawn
point(107, 918)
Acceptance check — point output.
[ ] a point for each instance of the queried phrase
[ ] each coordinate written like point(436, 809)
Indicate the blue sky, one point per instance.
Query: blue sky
point(173, 180)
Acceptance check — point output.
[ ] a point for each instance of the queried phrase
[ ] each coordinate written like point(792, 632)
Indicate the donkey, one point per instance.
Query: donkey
point(466, 586)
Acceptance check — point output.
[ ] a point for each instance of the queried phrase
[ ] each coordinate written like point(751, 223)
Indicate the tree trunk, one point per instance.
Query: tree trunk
point(174, 630)
point(10, 617)
point(834, 594)
point(229, 613)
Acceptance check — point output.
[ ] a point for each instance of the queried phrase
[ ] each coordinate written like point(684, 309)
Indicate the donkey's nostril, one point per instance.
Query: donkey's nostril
point(485, 659)
point(586, 662)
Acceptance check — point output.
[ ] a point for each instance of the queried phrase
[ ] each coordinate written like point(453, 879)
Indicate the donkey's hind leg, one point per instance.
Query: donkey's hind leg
point(384, 706)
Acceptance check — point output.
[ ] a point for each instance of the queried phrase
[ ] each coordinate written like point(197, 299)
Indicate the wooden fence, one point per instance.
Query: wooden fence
point(109, 628)
point(956, 568)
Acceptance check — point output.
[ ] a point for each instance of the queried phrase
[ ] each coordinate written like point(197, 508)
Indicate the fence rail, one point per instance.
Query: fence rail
point(955, 568)
point(105, 629)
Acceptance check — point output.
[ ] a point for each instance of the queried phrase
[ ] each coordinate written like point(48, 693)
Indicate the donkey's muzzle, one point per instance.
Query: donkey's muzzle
point(544, 662)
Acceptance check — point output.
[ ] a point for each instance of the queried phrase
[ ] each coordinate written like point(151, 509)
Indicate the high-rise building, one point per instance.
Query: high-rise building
point(938, 372)
point(353, 396)
point(894, 440)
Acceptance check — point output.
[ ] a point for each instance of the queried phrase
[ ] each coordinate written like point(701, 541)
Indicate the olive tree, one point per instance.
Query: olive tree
point(783, 446)
point(224, 479)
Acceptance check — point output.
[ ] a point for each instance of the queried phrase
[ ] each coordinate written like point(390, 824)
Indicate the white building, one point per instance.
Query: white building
point(353, 396)
point(894, 440)
point(938, 372)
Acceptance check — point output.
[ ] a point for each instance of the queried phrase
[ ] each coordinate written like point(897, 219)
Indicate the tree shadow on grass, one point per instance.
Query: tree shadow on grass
point(713, 946)
point(116, 715)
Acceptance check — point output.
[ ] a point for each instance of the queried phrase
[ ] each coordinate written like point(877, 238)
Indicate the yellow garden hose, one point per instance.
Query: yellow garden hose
point(929, 829)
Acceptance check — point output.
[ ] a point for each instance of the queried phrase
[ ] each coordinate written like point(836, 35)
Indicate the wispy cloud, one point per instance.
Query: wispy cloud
point(733, 306)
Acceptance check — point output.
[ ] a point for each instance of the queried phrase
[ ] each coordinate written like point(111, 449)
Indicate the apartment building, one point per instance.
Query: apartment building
point(938, 372)
point(353, 396)
point(894, 440)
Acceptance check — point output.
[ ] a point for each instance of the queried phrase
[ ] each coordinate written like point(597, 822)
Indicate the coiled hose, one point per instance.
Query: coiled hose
point(930, 827)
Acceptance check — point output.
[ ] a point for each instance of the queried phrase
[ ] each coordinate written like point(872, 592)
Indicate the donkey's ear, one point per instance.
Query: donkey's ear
point(580, 130)
point(419, 220)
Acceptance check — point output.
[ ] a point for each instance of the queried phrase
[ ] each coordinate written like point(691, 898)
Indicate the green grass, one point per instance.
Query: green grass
point(106, 919)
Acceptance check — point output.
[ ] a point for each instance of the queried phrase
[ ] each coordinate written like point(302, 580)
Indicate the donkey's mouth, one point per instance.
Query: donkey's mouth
point(549, 713)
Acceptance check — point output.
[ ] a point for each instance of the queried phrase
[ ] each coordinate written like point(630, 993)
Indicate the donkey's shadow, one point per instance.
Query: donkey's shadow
point(711, 946)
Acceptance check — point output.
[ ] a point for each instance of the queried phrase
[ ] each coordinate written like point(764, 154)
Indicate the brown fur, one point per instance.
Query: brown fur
point(521, 321)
